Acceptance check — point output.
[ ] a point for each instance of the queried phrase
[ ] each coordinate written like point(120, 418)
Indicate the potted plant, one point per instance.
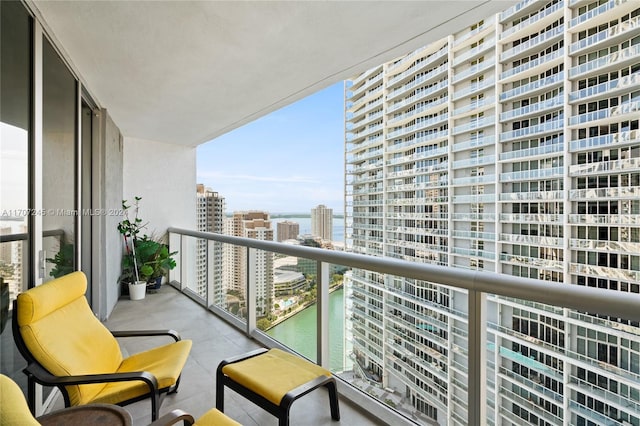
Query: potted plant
point(146, 259)
point(162, 264)
point(155, 258)
point(130, 228)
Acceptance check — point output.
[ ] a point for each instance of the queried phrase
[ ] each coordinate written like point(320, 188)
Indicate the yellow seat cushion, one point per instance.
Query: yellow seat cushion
point(62, 333)
point(274, 373)
point(214, 417)
point(164, 362)
point(13, 405)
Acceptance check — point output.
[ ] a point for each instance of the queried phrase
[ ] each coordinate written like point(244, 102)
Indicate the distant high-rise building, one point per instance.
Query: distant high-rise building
point(511, 146)
point(251, 224)
point(288, 230)
point(322, 222)
point(210, 215)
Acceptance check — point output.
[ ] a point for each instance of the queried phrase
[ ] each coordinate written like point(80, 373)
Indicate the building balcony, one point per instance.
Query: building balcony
point(613, 166)
point(475, 107)
point(473, 143)
point(592, 193)
point(531, 131)
point(525, 6)
point(475, 180)
point(530, 218)
point(533, 88)
point(533, 152)
point(424, 109)
point(534, 22)
point(531, 196)
point(606, 63)
point(473, 88)
point(539, 42)
point(471, 53)
point(442, 53)
point(535, 240)
point(607, 89)
point(610, 35)
point(434, 121)
point(440, 71)
point(532, 174)
point(213, 340)
point(624, 111)
point(531, 109)
point(601, 14)
point(604, 219)
point(620, 138)
point(534, 66)
point(475, 124)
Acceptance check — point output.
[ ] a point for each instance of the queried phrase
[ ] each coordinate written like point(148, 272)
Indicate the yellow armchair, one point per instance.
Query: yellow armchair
point(14, 411)
point(66, 346)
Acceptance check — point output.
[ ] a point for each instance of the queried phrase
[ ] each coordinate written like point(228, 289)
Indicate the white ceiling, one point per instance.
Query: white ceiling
point(184, 72)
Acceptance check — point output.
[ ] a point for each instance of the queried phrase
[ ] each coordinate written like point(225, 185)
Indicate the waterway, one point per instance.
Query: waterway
point(299, 331)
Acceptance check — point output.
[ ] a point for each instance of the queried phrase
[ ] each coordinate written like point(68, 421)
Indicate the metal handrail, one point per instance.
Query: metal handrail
point(478, 284)
point(8, 238)
point(608, 302)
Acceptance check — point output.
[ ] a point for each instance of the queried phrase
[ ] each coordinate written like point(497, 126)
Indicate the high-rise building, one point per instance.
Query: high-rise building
point(511, 146)
point(322, 222)
point(210, 215)
point(251, 224)
point(288, 230)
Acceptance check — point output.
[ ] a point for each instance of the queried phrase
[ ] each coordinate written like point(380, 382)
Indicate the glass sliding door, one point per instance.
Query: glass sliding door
point(59, 135)
point(15, 139)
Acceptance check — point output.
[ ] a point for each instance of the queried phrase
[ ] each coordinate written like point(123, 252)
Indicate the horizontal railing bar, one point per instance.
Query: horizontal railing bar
point(587, 299)
point(8, 238)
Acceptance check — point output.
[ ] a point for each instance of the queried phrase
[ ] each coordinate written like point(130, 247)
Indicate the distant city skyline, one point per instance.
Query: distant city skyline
point(286, 162)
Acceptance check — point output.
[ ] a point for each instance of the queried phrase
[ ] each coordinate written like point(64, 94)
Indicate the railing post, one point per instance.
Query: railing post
point(183, 262)
point(210, 290)
point(477, 359)
point(322, 322)
point(250, 300)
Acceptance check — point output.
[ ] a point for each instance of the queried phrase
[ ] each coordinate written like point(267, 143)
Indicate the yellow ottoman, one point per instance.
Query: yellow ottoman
point(274, 379)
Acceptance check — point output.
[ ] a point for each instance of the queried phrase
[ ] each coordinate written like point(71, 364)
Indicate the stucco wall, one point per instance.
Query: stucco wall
point(164, 175)
point(108, 246)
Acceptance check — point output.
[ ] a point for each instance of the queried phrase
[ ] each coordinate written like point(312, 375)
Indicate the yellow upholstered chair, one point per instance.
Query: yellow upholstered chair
point(13, 407)
point(66, 346)
point(14, 411)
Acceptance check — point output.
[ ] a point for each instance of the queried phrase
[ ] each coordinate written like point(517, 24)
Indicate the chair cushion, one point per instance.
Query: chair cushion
point(273, 373)
point(164, 362)
point(214, 417)
point(61, 332)
point(13, 405)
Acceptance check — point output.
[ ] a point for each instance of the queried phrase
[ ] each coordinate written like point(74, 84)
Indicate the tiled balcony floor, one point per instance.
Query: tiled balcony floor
point(213, 340)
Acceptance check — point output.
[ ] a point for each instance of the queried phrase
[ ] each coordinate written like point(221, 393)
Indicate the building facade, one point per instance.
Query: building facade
point(288, 230)
point(511, 146)
point(211, 207)
point(322, 222)
point(257, 225)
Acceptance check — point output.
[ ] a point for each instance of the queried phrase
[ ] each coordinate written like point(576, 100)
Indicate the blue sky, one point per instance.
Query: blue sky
point(288, 161)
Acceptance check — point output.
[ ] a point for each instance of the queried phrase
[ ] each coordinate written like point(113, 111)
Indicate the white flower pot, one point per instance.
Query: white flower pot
point(137, 290)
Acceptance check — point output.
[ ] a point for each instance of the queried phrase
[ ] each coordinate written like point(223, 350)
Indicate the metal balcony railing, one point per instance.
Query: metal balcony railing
point(477, 286)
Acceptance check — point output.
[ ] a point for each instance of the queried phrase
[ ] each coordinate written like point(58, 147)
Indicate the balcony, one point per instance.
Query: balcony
point(213, 340)
point(240, 327)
